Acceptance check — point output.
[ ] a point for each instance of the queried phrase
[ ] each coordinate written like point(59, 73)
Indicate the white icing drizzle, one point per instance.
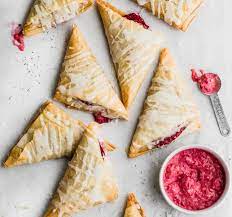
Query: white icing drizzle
point(173, 11)
point(133, 50)
point(49, 13)
point(84, 72)
point(86, 178)
point(167, 108)
point(88, 82)
point(142, 2)
point(153, 6)
point(51, 136)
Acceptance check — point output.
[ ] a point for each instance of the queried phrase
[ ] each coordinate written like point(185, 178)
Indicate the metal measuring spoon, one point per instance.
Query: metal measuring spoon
point(210, 84)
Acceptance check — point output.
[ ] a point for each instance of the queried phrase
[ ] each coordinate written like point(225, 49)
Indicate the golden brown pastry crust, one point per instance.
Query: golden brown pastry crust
point(103, 4)
point(52, 134)
point(185, 22)
point(133, 208)
point(44, 14)
point(83, 81)
point(88, 180)
point(133, 49)
point(38, 142)
point(168, 107)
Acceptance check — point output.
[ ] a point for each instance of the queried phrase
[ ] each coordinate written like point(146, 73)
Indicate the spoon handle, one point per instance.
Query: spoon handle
point(220, 115)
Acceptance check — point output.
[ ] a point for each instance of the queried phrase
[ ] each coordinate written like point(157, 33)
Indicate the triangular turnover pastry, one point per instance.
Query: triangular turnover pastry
point(133, 208)
point(177, 13)
point(88, 180)
point(52, 134)
point(46, 14)
point(83, 84)
point(133, 49)
point(169, 111)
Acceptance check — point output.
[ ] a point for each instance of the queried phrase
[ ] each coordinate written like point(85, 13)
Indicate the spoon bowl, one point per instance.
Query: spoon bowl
point(209, 84)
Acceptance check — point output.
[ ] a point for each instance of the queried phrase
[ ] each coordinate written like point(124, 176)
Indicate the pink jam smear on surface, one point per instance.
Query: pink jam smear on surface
point(194, 179)
point(209, 83)
point(17, 36)
point(170, 139)
point(137, 18)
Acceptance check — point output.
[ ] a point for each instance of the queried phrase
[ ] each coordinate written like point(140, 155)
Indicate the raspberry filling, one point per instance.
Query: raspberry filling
point(209, 83)
point(194, 179)
point(137, 18)
point(102, 149)
point(168, 140)
point(98, 117)
point(101, 119)
point(17, 36)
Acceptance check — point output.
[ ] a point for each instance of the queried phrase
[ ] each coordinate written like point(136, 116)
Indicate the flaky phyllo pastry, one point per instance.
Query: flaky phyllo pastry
point(168, 112)
point(133, 49)
point(133, 208)
point(177, 13)
point(83, 84)
point(53, 134)
point(46, 14)
point(88, 180)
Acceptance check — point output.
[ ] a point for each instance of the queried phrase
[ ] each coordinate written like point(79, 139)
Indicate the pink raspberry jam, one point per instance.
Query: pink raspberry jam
point(196, 74)
point(170, 139)
point(17, 36)
point(209, 83)
point(98, 117)
point(137, 18)
point(101, 119)
point(194, 179)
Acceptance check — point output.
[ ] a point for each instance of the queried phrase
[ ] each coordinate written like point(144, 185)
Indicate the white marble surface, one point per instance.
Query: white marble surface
point(27, 79)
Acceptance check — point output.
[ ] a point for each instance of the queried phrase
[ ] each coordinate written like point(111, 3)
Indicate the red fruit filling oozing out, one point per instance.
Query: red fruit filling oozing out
point(17, 36)
point(98, 117)
point(170, 139)
point(137, 18)
point(102, 149)
point(208, 83)
point(101, 119)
